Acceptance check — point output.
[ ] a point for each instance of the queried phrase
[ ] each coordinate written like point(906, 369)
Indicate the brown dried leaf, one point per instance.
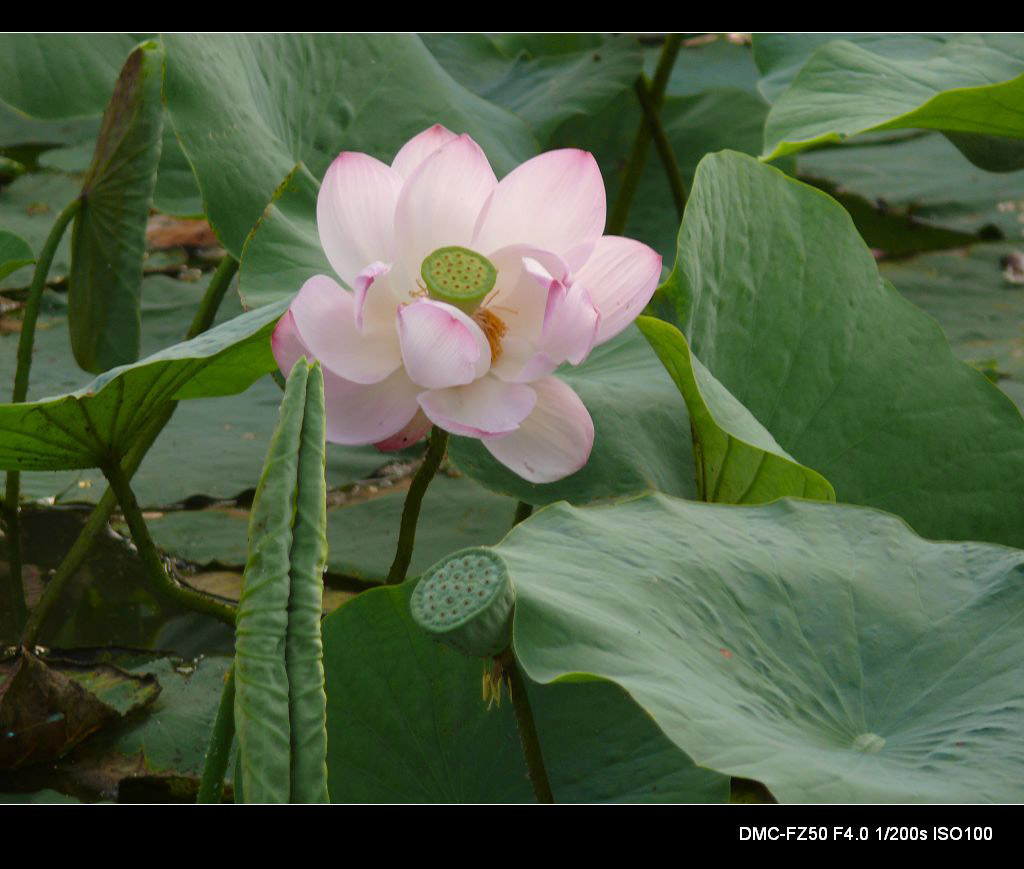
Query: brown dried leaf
point(47, 708)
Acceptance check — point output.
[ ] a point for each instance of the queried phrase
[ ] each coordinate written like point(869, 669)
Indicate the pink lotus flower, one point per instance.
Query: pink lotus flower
point(466, 295)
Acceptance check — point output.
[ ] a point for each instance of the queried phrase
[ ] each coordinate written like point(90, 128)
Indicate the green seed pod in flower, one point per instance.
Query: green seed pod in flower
point(466, 600)
point(458, 276)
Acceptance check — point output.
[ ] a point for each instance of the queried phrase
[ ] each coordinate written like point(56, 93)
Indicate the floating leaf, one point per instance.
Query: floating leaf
point(155, 756)
point(978, 308)
point(362, 535)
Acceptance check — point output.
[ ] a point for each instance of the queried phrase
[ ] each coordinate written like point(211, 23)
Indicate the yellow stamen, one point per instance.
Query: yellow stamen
point(493, 328)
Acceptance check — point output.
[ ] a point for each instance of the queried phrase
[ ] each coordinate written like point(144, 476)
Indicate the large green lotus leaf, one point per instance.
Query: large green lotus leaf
point(14, 253)
point(56, 76)
point(737, 461)
point(108, 240)
point(824, 650)
point(780, 299)
point(970, 84)
point(177, 192)
point(780, 56)
point(544, 91)
point(28, 207)
point(362, 536)
point(84, 428)
point(283, 250)
point(925, 179)
point(641, 432)
point(406, 723)
point(224, 439)
point(980, 311)
point(248, 108)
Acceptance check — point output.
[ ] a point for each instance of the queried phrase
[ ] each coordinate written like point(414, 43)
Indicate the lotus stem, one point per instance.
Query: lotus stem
point(662, 145)
point(642, 141)
point(213, 296)
point(12, 607)
point(436, 446)
point(211, 787)
point(150, 555)
point(527, 728)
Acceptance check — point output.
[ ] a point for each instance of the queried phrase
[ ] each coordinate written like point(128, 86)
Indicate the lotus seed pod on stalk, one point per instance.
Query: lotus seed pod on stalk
point(466, 600)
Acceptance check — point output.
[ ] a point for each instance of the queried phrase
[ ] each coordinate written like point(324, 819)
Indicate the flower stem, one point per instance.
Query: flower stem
point(12, 592)
point(436, 447)
point(211, 787)
point(213, 296)
point(662, 145)
point(527, 728)
point(101, 513)
point(151, 559)
point(642, 141)
point(523, 511)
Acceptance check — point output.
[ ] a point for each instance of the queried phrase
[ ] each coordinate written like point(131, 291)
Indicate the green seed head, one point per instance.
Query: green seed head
point(458, 276)
point(466, 600)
